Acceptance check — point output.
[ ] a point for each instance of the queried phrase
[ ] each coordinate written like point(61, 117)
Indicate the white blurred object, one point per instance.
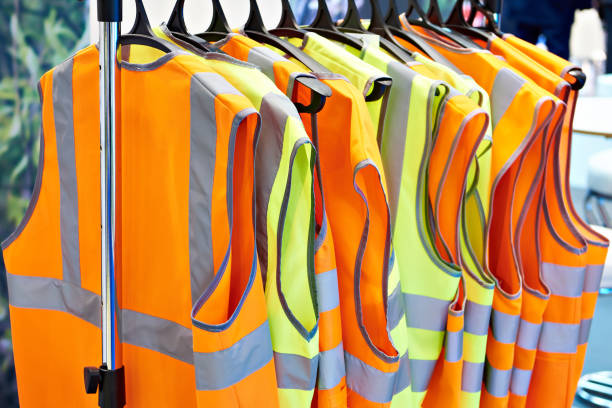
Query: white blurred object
point(588, 39)
point(604, 85)
point(606, 281)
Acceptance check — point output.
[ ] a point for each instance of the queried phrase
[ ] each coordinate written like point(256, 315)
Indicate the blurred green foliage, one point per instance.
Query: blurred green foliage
point(35, 36)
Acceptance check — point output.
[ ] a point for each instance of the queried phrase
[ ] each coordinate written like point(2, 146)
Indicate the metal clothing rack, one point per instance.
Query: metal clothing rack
point(108, 380)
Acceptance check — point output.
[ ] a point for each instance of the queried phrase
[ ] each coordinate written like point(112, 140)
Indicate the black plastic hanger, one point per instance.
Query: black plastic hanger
point(324, 26)
point(456, 21)
point(178, 28)
point(219, 28)
point(352, 23)
point(141, 33)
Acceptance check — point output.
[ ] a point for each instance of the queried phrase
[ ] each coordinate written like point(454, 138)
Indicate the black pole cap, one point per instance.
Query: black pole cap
point(110, 11)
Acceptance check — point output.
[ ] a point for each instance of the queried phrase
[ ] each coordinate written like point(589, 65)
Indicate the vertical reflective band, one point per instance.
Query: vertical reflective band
point(402, 380)
point(264, 58)
point(367, 381)
point(453, 346)
point(505, 88)
point(295, 372)
point(504, 326)
point(472, 376)
point(497, 381)
point(528, 335)
point(585, 329)
point(563, 280)
point(327, 290)
point(395, 311)
point(32, 292)
point(592, 278)
point(222, 369)
point(559, 337)
point(520, 381)
point(157, 334)
point(420, 373)
point(331, 367)
point(424, 312)
point(477, 318)
point(69, 199)
point(203, 140)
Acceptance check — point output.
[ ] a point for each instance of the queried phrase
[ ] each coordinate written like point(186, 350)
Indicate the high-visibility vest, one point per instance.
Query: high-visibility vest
point(331, 384)
point(159, 159)
point(284, 168)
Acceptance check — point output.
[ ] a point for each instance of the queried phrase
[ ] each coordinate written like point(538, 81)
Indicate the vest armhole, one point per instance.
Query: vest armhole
point(37, 187)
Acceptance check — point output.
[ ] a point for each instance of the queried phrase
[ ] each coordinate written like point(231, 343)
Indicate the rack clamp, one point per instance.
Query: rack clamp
point(109, 384)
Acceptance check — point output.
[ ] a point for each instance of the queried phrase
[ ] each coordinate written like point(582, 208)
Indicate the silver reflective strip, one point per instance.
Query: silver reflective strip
point(585, 329)
point(592, 278)
point(471, 380)
point(328, 296)
point(504, 326)
point(203, 140)
point(477, 318)
point(559, 337)
point(157, 334)
point(295, 372)
point(505, 88)
point(331, 368)
point(367, 381)
point(420, 373)
point(265, 59)
point(566, 281)
point(497, 381)
point(424, 312)
point(224, 368)
point(393, 146)
point(402, 380)
point(528, 335)
point(32, 292)
point(520, 381)
point(453, 346)
point(215, 84)
point(63, 113)
point(395, 311)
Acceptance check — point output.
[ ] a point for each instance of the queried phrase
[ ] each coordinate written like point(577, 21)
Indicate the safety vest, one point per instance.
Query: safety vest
point(171, 357)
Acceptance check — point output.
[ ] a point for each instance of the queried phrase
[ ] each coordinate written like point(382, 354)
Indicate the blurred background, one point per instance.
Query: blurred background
point(37, 35)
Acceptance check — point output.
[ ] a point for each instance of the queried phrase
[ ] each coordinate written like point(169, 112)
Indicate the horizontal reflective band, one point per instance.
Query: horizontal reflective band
point(331, 367)
point(367, 381)
point(32, 292)
point(505, 88)
point(420, 374)
point(497, 381)
point(402, 380)
point(453, 346)
point(294, 372)
point(520, 381)
point(471, 380)
point(585, 329)
point(395, 311)
point(264, 58)
point(528, 335)
point(504, 326)
point(562, 280)
point(157, 334)
point(477, 318)
point(328, 296)
point(559, 337)
point(592, 278)
point(224, 368)
point(424, 312)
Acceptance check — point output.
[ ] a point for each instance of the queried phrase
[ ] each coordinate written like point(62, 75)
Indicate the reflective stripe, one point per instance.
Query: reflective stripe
point(224, 368)
point(201, 175)
point(420, 374)
point(264, 58)
point(453, 346)
point(33, 292)
point(327, 290)
point(157, 334)
point(563, 280)
point(504, 326)
point(497, 381)
point(215, 83)
point(471, 380)
point(63, 112)
point(592, 278)
point(505, 87)
point(395, 311)
point(477, 318)
point(296, 372)
point(367, 381)
point(402, 380)
point(520, 381)
point(424, 312)
point(559, 337)
point(331, 367)
point(585, 329)
point(528, 335)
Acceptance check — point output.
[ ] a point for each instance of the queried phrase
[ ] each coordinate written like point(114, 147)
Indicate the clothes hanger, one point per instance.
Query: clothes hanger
point(288, 27)
point(219, 28)
point(352, 24)
point(255, 29)
point(178, 28)
point(457, 21)
point(141, 33)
